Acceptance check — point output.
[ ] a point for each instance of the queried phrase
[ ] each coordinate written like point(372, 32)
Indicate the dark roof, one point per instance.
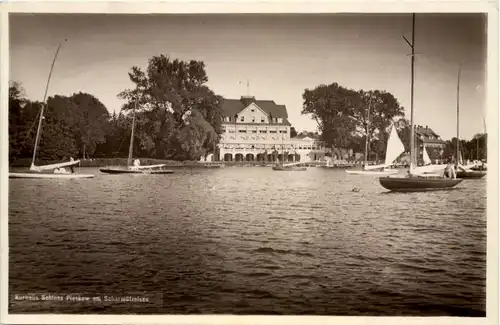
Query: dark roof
point(231, 107)
point(425, 131)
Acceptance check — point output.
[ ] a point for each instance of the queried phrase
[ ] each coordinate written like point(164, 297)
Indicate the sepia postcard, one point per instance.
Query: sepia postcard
point(249, 163)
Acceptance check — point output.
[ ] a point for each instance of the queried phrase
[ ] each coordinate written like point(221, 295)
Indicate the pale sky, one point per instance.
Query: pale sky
point(279, 55)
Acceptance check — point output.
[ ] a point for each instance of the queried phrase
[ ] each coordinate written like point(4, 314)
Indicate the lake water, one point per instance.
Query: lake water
point(247, 241)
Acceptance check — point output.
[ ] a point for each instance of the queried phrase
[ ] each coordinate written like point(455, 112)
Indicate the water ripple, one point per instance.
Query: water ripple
point(250, 241)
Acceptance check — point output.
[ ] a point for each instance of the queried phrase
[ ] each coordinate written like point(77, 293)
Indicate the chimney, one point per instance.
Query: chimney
point(247, 100)
point(427, 127)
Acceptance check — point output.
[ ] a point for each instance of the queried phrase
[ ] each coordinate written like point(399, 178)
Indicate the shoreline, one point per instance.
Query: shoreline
point(115, 162)
point(106, 162)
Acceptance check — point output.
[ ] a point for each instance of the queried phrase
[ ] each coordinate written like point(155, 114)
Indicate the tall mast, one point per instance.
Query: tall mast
point(131, 147)
point(458, 114)
point(367, 130)
point(38, 132)
point(412, 131)
point(412, 93)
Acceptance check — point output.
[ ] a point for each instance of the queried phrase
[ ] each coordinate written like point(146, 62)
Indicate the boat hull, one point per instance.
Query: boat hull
point(289, 169)
point(471, 174)
point(213, 165)
point(372, 173)
point(336, 166)
point(129, 171)
point(418, 184)
point(49, 175)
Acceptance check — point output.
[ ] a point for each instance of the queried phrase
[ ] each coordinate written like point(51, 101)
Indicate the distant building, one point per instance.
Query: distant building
point(425, 136)
point(259, 130)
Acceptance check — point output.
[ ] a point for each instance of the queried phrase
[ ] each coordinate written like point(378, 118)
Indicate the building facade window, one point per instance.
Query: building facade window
point(242, 119)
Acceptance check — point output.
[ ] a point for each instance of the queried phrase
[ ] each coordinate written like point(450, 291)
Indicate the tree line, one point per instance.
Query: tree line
point(346, 117)
point(178, 117)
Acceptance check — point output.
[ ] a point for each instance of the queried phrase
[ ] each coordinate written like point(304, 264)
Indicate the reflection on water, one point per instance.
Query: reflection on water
point(250, 241)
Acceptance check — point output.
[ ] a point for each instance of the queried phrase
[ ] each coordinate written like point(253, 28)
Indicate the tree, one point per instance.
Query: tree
point(342, 115)
point(117, 137)
point(293, 132)
point(384, 110)
point(471, 150)
point(84, 115)
point(68, 124)
point(23, 116)
point(175, 103)
point(331, 107)
point(92, 121)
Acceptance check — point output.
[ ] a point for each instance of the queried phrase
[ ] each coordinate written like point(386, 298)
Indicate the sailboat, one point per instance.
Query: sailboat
point(394, 149)
point(479, 165)
point(415, 181)
point(53, 170)
point(135, 168)
point(288, 167)
point(429, 169)
point(462, 170)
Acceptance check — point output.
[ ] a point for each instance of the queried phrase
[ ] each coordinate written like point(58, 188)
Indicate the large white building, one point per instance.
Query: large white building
point(258, 130)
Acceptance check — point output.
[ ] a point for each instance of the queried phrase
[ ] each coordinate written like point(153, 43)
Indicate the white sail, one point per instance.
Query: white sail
point(54, 166)
point(394, 149)
point(427, 160)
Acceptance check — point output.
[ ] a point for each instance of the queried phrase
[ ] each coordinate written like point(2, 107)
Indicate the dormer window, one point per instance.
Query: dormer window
point(280, 120)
